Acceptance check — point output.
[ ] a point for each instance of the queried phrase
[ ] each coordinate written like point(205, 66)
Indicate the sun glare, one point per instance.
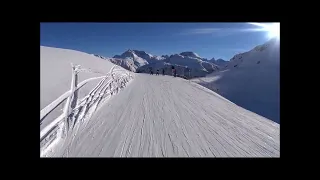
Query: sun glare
point(273, 30)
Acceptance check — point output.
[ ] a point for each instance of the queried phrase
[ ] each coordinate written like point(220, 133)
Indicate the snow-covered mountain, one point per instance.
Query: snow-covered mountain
point(164, 57)
point(125, 63)
point(140, 61)
point(139, 58)
point(183, 61)
point(190, 54)
point(251, 80)
point(219, 62)
point(131, 55)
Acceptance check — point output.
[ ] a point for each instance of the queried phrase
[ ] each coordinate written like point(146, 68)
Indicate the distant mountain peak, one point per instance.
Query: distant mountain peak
point(190, 54)
point(138, 51)
point(220, 60)
point(139, 58)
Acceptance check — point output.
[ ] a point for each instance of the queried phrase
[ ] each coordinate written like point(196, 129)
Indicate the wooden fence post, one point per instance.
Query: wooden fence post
point(67, 105)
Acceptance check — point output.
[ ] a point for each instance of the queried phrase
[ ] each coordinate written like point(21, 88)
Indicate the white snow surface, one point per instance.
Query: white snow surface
point(108, 86)
point(55, 80)
point(55, 71)
point(163, 116)
point(251, 80)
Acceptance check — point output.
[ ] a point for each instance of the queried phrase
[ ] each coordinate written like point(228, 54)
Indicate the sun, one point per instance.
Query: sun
point(273, 30)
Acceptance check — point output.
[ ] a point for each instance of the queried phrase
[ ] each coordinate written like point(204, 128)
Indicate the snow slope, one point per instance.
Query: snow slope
point(56, 75)
point(251, 80)
point(162, 116)
point(55, 71)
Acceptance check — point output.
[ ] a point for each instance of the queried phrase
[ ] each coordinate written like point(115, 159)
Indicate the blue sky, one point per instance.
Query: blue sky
point(218, 40)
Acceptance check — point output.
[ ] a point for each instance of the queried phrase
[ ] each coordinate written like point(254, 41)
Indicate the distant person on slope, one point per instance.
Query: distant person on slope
point(174, 72)
point(151, 72)
point(157, 71)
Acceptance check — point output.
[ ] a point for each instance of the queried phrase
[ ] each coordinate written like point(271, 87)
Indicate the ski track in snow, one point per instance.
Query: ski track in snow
point(60, 99)
point(108, 86)
point(163, 116)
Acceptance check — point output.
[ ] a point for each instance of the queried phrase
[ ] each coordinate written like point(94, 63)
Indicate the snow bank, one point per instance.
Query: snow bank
point(55, 100)
point(251, 80)
point(55, 71)
point(109, 85)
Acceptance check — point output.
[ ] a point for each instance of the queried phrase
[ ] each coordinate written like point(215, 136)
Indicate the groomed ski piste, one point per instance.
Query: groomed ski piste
point(139, 115)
